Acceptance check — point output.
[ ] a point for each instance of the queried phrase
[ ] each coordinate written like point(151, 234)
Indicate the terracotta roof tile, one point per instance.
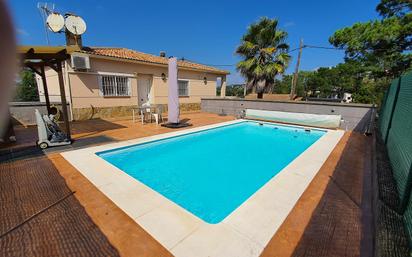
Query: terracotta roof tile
point(129, 54)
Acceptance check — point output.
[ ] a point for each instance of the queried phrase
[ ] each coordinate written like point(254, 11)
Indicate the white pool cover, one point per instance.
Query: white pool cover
point(313, 120)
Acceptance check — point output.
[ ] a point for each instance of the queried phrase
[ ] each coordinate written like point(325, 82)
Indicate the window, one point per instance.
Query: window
point(112, 85)
point(183, 87)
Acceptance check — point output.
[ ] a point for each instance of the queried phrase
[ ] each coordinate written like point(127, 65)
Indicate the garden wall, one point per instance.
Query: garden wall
point(23, 112)
point(357, 117)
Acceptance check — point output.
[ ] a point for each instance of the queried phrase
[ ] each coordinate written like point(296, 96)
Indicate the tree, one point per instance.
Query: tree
point(349, 77)
point(237, 90)
point(322, 83)
point(388, 8)
point(265, 54)
point(283, 85)
point(233, 90)
point(383, 45)
point(26, 89)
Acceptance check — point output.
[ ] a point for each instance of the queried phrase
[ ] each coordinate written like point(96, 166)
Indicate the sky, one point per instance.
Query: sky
point(207, 32)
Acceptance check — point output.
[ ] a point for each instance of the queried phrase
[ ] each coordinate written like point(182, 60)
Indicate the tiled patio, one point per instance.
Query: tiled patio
point(326, 221)
point(99, 131)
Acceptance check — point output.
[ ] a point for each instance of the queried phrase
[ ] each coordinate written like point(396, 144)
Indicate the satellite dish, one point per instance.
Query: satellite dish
point(55, 22)
point(75, 24)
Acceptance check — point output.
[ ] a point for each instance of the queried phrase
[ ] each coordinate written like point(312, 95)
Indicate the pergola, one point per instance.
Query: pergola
point(37, 58)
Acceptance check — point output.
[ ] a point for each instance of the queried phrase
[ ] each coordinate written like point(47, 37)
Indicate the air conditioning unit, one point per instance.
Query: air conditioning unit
point(80, 61)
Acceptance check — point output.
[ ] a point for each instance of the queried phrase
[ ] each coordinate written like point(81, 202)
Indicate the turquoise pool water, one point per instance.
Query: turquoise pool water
point(211, 173)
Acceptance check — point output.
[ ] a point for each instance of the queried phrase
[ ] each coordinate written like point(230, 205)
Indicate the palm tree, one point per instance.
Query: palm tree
point(265, 54)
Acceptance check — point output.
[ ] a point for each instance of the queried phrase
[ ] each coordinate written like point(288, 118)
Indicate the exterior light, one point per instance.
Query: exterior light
point(205, 80)
point(164, 77)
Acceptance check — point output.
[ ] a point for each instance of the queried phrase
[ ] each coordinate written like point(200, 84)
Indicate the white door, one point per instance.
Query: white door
point(144, 86)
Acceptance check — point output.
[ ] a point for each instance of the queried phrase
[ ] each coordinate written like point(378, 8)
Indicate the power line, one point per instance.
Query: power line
point(324, 47)
point(297, 48)
point(228, 65)
point(345, 49)
point(290, 51)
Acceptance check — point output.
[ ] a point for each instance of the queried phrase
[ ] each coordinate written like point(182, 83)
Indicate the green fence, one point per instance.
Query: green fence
point(395, 126)
point(387, 108)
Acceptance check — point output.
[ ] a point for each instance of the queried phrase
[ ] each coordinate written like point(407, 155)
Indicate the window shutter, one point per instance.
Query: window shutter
point(129, 91)
point(99, 78)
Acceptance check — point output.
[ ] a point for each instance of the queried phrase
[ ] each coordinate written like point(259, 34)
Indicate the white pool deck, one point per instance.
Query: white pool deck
point(245, 232)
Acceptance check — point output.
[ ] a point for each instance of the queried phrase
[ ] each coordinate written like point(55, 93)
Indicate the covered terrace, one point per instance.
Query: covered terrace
point(36, 58)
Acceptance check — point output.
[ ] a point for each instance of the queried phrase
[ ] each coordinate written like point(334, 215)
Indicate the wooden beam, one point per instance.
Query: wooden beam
point(63, 100)
point(59, 56)
point(34, 64)
point(46, 49)
point(33, 69)
point(46, 90)
point(54, 66)
point(50, 63)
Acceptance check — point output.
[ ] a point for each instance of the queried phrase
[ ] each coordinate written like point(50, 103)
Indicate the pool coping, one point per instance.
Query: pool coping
point(245, 232)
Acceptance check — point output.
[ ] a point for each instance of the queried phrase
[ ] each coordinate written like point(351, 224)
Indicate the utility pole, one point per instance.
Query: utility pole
point(296, 75)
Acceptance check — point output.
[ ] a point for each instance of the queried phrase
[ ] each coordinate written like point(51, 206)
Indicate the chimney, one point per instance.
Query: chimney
point(162, 54)
point(73, 40)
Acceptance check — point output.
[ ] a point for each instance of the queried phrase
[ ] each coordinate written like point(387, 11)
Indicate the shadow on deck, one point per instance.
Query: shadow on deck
point(87, 127)
point(332, 217)
point(84, 133)
point(39, 215)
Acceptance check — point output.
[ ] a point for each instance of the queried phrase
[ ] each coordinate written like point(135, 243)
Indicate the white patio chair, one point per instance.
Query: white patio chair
point(158, 115)
point(144, 111)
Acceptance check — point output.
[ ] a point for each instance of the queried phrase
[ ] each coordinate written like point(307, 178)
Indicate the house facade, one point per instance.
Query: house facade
point(118, 79)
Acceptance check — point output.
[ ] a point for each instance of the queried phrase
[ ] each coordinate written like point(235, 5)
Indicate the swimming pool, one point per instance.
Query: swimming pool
point(212, 172)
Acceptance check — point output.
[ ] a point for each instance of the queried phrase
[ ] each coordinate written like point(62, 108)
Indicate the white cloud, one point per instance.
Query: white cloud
point(289, 24)
point(22, 32)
